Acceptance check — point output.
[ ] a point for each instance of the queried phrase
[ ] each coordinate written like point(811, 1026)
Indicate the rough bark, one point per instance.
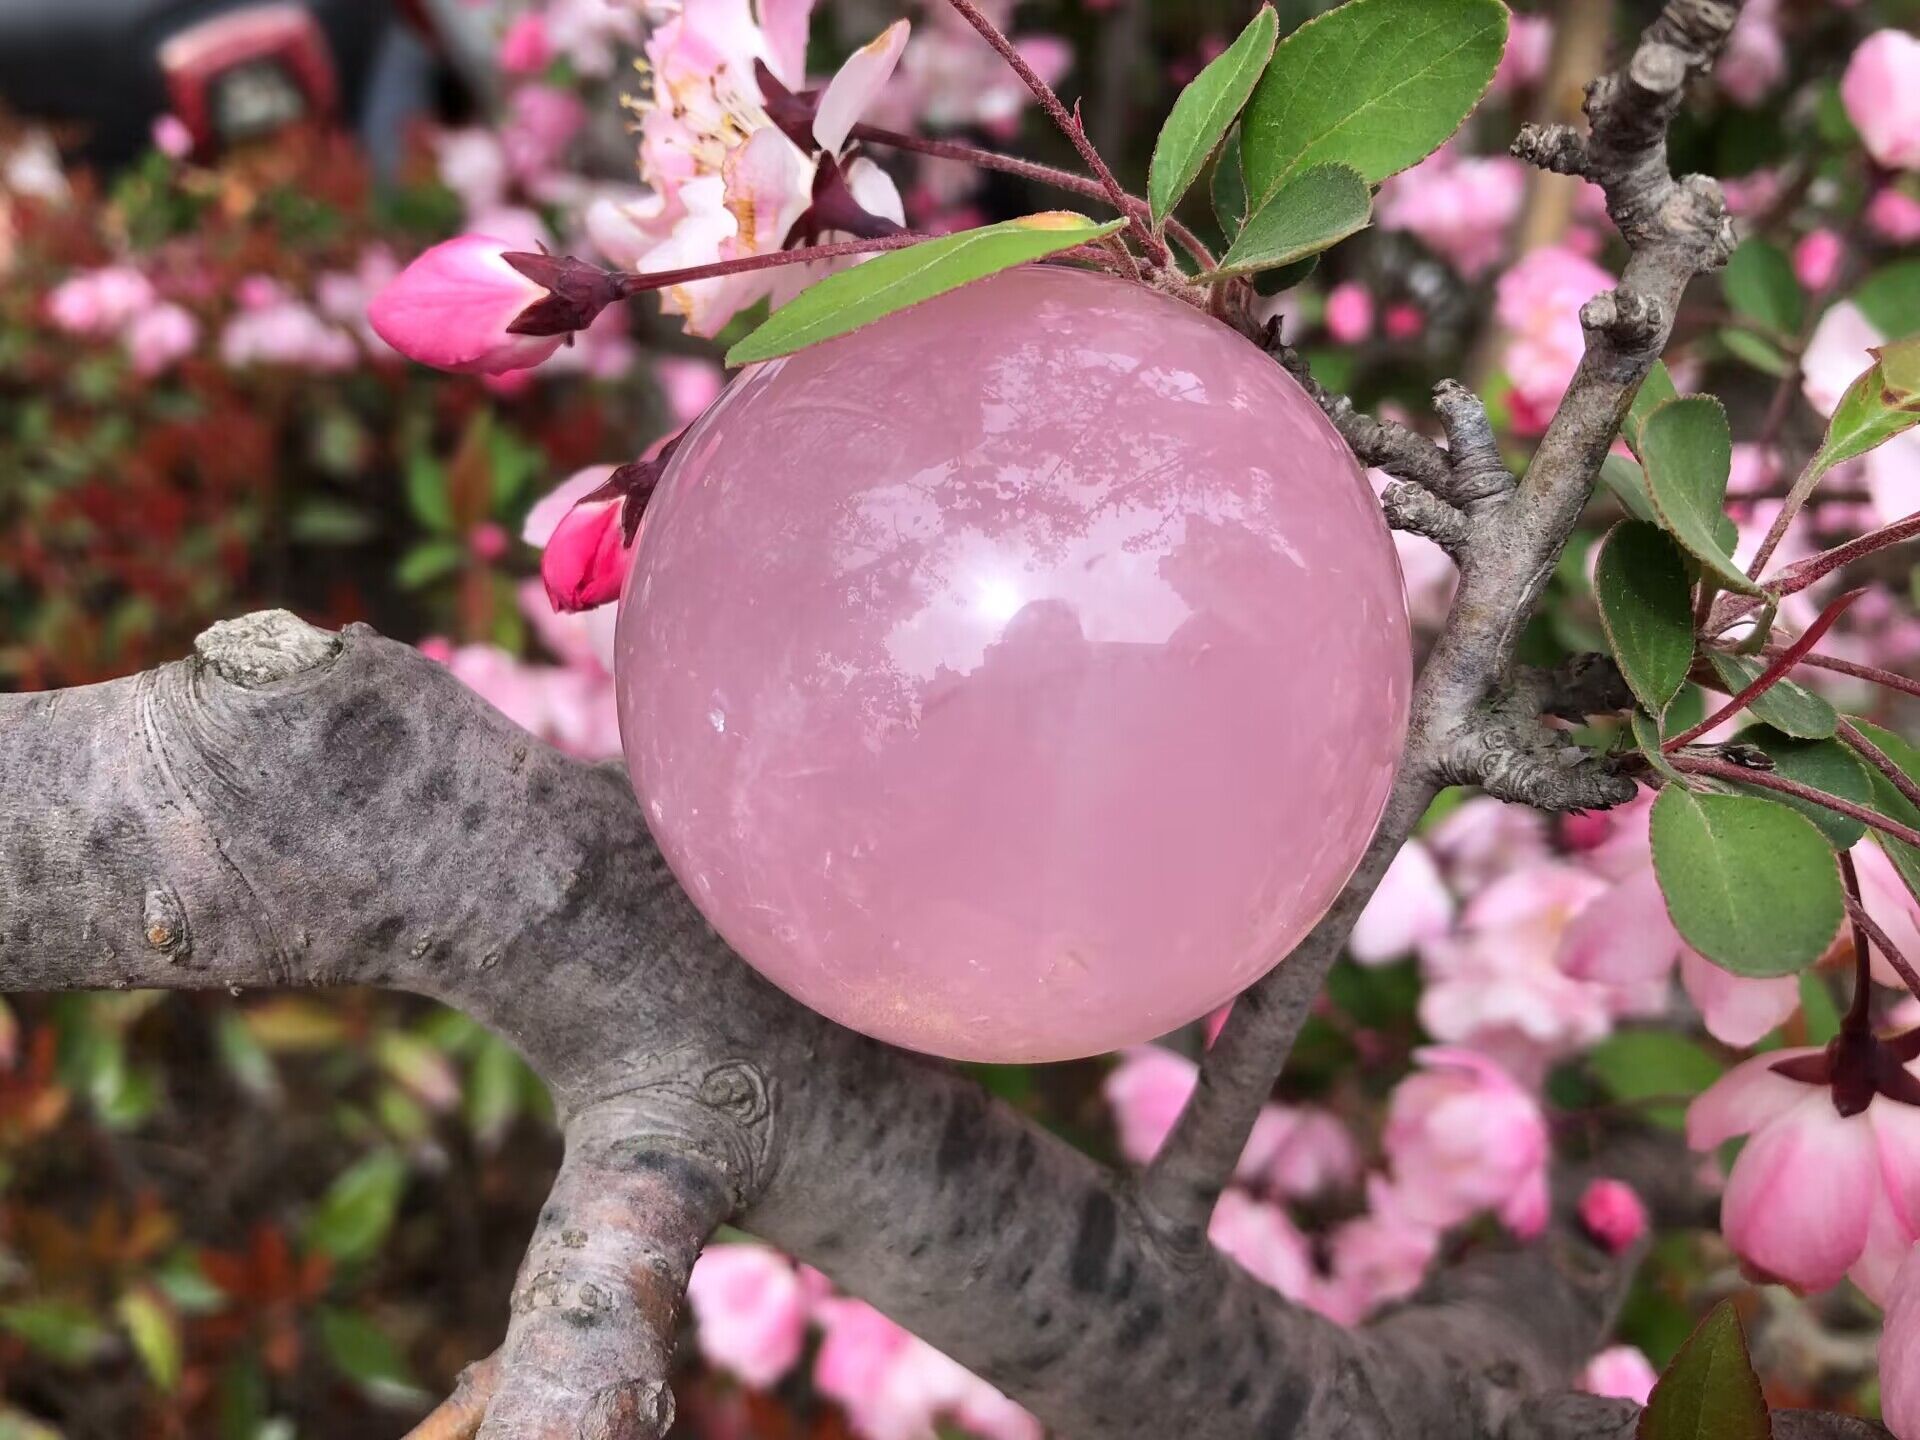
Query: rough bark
point(292, 808)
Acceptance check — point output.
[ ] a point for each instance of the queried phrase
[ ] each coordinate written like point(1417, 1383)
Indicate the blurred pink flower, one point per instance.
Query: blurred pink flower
point(1529, 47)
point(950, 80)
point(1836, 355)
point(1620, 1373)
point(99, 302)
point(727, 181)
point(289, 333)
point(1814, 1195)
point(524, 46)
point(1411, 906)
point(1900, 1352)
point(895, 1386)
point(1378, 1257)
point(541, 122)
point(1460, 206)
point(451, 308)
point(171, 137)
point(689, 384)
point(1538, 303)
point(1881, 91)
point(1462, 1137)
point(568, 707)
point(1894, 215)
point(751, 1312)
point(1755, 60)
point(158, 337)
point(1349, 312)
point(1403, 320)
point(593, 33)
point(1613, 1214)
point(1265, 1243)
point(1483, 838)
point(1817, 259)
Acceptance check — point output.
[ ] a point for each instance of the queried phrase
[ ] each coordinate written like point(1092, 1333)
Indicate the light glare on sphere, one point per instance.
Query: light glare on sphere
point(1018, 677)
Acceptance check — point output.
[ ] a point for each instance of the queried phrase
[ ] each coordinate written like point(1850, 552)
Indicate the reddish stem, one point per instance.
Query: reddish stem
point(1768, 780)
point(1030, 170)
point(1069, 123)
point(1859, 1017)
point(1863, 923)
point(1775, 672)
point(1877, 676)
point(632, 283)
point(1799, 576)
point(1879, 759)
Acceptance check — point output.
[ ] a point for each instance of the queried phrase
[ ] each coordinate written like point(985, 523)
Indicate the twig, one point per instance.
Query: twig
point(1768, 780)
point(1865, 923)
point(1814, 568)
point(458, 1417)
point(1069, 124)
point(1874, 674)
point(1879, 759)
point(1775, 671)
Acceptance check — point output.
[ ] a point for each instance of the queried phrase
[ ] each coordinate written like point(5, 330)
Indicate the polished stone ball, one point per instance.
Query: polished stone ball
point(1020, 676)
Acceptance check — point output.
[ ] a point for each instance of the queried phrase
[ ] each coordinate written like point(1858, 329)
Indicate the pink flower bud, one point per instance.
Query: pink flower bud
point(453, 306)
point(1894, 215)
point(1403, 321)
point(1622, 1373)
point(585, 562)
point(1349, 313)
point(1613, 1215)
point(1881, 91)
point(172, 138)
point(525, 48)
point(1817, 259)
point(487, 541)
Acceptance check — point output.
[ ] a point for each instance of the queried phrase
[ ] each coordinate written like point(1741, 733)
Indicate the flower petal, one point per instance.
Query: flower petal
point(853, 89)
point(1738, 1010)
point(1744, 1099)
point(1801, 1195)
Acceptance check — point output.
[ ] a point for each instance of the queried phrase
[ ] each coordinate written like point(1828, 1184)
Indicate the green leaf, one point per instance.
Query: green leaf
point(1825, 765)
point(353, 1217)
point(1785, 706)
point(321, 521)
point(427, 494)
point(1646, 737)
point(61, 1330)
point(1888, 801)
point(1635, 1066)
point(1756, 352)
point(895, 279)
point(1750, 884)
point(1709, 1391)
point(1760, 286)
point(155, 1335)
point(1884, 401)
point(427, 562)
point(1688, 452)
point(1315, 209)
point(1375, 84)
point(1205, 111)
point(1890, 298)
point(1229, 188)
point(1628, 482)
point(1656, 390)
point(1646, 607)
point(361, 1352)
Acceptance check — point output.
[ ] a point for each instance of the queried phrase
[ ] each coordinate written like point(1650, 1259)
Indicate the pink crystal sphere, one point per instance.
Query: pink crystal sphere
point(1018, 677)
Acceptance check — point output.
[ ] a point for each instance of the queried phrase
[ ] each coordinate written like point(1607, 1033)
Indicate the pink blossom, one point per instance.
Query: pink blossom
point(156, 338)
point(1483, 838)
point(1621, 1373)
point(949, 80)
point(287, 333)
point(894, 1386)
point(1538, 303)
point(473, 164)
point(1349, 312)
point(1265, 1243)
point(593, 33)
point(1894, 215)
point(1529, 47)
point(587, 558)
point(1836, 355)
point(1428, 570)
point(1755, 60)
point(1881, 91)
point(1462, 1137)
point(451, 308)
point(1411, 906)
point(726, 181)
point(1892, 906)
point(1378, 1257)
point(1147, 1091)
point(1814, 1195)
point(1613, 1214)
point(751, 1312)
point(1900, 1352)
point(524, 46)
point(99, 302)
point(1817, 259)
point(1403, 320)
point(171, 137)
point(541, 122)
point(1461, 206)
point(689, 384)
point(1496, 983)
point(1752, 193)
point(569, 707)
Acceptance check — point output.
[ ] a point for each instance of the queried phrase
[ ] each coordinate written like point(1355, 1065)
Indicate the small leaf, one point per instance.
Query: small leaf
point(1646, 608)
point(1656, 390)
point(1882, 403)
point(1756, 352)
point(61, 1330)
point(353, 1217)
point(1313, 210)
point(1826, 765)
point(427, 562)
point(1640, 1065)
point(896, 279)
point(1760, 286)
point(1205, 111)
point(1628, 482)
point(155, 1335)
point(1750, 884)
point(1709, 1392)
point(361, 1352)
point(1229, 188)
point(1890, 298)
point(1646, 738)
point(1785, 706)
point(1375, 84)
point(427, 494)
point(1688, 452)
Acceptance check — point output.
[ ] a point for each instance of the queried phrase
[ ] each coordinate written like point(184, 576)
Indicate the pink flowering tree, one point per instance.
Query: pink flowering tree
point(1644, 890)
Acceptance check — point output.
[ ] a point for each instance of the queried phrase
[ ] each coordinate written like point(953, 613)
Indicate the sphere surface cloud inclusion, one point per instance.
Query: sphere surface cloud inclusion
point(1020, 676)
